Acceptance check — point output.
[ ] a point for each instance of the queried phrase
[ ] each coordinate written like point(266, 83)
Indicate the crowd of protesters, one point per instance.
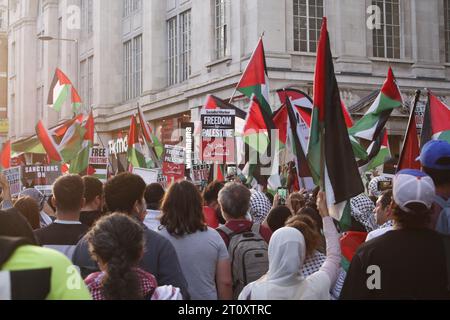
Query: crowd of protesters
point(125, 240)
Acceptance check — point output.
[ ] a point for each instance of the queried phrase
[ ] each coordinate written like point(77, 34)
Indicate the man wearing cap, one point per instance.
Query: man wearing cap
point(435, 159)
point(408, 262)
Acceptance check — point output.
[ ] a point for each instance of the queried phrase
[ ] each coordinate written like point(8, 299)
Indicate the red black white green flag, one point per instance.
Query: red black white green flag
point(330, 153)
point(436, 123)
point(255, 80)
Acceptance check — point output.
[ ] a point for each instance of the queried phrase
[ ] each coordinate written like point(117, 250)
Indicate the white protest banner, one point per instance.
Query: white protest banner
point(13, 175)
point(149, 175)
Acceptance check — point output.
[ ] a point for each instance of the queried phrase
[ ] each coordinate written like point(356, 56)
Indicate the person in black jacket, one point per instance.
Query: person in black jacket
point(408, 262)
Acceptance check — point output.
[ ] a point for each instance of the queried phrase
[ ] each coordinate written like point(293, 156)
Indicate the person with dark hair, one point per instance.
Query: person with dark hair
point(408, 262)
point(383, 215)
point(30, 210)
point(93, 193)
point(125, 194)
point(435, 159)
point(154, 194)
point(211, 210)
point(64, 234)
point(202, 253)
point(277, 217)
point(116, 242)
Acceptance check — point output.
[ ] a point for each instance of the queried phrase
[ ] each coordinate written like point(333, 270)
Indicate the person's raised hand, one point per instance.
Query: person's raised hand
point(322, 204)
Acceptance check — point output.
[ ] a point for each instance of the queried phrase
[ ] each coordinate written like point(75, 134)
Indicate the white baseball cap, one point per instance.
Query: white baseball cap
point(413, 186)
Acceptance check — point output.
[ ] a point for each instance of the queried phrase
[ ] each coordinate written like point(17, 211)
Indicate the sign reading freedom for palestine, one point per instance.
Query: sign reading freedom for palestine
point(218, 136)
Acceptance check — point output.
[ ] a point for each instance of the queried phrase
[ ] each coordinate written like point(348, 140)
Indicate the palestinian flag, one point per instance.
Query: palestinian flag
point(299, 139)
point(255, 79)
point(258, 127)
point(281, 121)
point(330, 153)
point(61, 88)
point(81, 163)
point(136, 157)
point(48, 143)
point(436, 124)
point(410, 150)
point(371, 125)
point(378, 152)
point(298, 98)
point(156, 149)
point(72, 142)
point(5, 156)
point(217, 173)
point(29, 145)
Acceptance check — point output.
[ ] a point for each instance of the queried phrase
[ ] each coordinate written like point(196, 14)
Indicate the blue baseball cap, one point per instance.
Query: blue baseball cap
point(433, 152)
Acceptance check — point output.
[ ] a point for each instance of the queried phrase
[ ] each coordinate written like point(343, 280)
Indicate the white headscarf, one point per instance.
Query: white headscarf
point(287, 250)
point(284, 280)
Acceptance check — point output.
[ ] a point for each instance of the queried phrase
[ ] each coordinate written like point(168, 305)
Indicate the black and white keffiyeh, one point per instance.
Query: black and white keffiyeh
point(362, 210)
point(260, 206)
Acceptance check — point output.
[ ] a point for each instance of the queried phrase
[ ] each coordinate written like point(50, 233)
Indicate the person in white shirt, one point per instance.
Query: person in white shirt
point(154, 194)
point(383, 216)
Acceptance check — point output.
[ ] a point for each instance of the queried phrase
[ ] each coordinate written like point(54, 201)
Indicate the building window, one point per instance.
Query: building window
point(447, 29)
point(185, 54)
point(87, 82)
point(386, 40)
point(220, 29)
point(172, 50)
point(307, 24)
point(133, 68)
point(87, 26)
point(131, 6)
point(179, 48)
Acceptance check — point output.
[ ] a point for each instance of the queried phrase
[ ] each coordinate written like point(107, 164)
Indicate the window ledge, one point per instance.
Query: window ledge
point(300, 53)
point(447, 64)
point(219, 61)
point(391, 60)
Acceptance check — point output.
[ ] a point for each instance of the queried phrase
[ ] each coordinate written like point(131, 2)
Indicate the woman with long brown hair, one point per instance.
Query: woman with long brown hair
point(201, 251)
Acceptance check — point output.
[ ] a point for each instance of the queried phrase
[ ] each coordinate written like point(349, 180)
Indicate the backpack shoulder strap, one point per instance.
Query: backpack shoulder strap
point(226, 230)
point(256, 227)
point(446, 240)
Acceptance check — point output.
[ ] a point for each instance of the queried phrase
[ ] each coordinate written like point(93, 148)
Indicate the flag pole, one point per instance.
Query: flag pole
point(322, 159)
point(251, 57)
point(411, 117)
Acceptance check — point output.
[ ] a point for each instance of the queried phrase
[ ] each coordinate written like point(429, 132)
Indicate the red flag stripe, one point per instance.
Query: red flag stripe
point(47, 142)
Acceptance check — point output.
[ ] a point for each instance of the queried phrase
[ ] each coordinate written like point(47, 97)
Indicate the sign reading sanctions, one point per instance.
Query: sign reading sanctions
point(218, 136)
